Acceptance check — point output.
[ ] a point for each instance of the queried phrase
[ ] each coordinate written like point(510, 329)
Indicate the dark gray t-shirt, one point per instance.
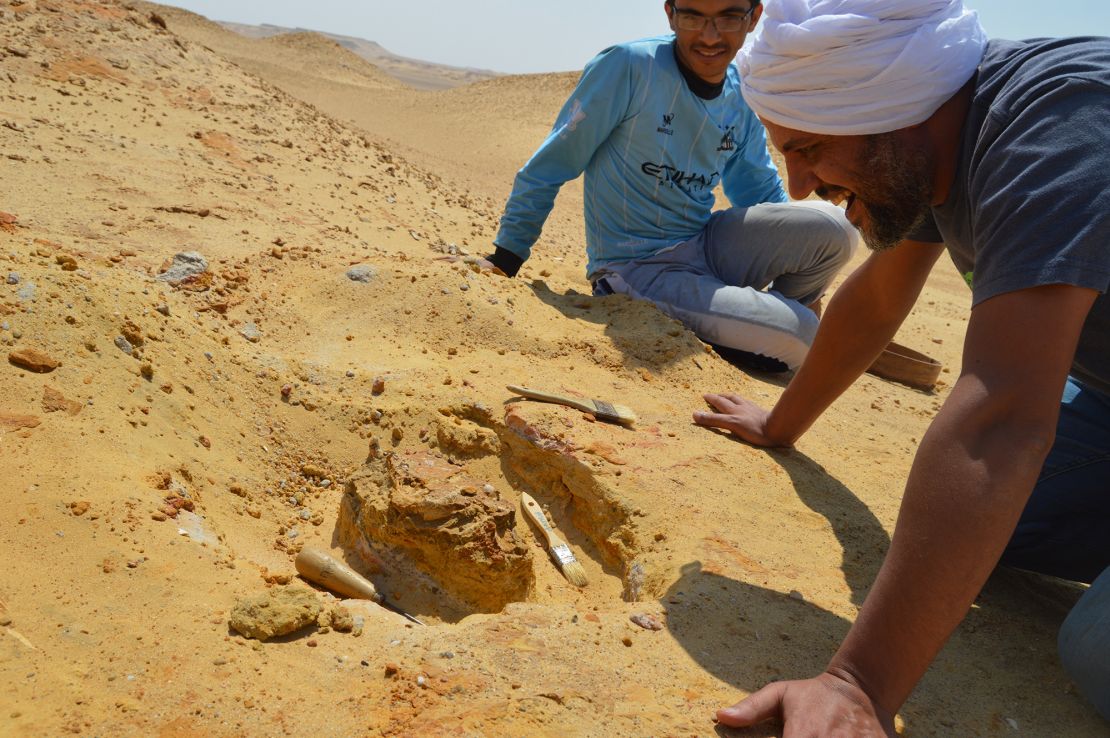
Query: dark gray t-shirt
point(1030, 204)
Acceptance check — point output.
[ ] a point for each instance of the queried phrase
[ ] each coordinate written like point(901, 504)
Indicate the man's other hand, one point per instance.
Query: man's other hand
point(742, 417)
point(828, 705)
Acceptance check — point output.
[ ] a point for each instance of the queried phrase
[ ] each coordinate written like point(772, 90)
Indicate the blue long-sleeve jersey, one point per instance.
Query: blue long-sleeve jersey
point(652, 152)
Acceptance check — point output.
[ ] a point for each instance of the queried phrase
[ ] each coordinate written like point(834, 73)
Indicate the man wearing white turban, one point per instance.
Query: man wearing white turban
point(998, 151)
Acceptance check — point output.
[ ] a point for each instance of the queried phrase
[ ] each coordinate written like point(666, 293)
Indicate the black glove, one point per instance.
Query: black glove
point(506, 261)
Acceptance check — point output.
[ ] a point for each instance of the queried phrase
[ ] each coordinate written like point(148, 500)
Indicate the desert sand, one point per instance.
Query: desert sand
point(168, 443)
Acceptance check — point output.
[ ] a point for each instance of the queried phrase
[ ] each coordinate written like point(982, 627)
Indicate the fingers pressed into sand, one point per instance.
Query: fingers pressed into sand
point(762, 705)
point(715, 420)
point(725, 402)
point(737, 415)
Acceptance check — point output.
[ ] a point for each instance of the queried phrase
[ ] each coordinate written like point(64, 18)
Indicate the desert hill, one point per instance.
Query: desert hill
point(413, 72)
point(229, 333)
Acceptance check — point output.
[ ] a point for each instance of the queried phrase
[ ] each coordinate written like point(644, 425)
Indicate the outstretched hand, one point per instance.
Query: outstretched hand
point(740, 416)
point(828, 705)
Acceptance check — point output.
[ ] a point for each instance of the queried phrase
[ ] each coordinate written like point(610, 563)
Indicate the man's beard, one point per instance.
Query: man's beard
point(899, 201)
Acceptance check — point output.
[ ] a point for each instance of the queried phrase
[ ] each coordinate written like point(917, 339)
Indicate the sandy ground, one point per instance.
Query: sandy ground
point(145, 493)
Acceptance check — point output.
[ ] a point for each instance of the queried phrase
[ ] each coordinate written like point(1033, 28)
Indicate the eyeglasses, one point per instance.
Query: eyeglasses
point(687, 21)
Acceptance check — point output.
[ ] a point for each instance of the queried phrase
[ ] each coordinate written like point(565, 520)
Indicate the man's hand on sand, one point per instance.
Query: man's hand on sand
point(828, 705)
point(738, 415)
point(476, 263)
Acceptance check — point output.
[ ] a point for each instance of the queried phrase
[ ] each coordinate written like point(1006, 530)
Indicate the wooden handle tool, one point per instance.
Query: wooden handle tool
point(601, 409)
point(556, 546)
point(317, 566)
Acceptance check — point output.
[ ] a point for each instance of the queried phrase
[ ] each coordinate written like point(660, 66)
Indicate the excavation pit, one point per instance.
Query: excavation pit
point(440, 527)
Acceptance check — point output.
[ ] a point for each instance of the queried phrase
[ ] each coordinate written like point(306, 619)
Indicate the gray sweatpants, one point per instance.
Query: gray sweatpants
point(744, 282)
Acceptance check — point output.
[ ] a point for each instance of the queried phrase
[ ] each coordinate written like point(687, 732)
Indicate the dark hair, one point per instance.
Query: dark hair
point(753, 3)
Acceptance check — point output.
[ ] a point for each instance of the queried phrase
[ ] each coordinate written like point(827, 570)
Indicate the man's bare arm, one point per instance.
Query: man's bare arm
point(970, 480)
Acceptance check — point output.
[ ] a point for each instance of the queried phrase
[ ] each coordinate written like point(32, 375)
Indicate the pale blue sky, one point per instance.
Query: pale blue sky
point(545, 36)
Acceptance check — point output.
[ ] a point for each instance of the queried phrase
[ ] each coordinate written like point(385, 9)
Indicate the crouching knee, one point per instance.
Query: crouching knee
point(843, 237)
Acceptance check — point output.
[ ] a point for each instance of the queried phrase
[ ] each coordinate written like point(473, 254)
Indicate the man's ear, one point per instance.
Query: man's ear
point(755, 17)
point(669, 9)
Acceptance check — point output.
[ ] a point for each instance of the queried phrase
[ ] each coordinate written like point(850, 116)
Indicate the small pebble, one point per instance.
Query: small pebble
point(325, 483)
point(646, 621)
point(250, 332)
point(124, 345)
point(13, 277)
point(361, 273)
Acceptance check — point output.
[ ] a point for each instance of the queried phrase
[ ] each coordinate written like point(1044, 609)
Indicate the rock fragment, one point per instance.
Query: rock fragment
point(53, 401)
point(186, 265)
point(341, 619)
point(250, 332)
point(33, 360)
point(646, 621)
point(361, 273)
point(27, 293)
point(12, 421)
point(277, 612)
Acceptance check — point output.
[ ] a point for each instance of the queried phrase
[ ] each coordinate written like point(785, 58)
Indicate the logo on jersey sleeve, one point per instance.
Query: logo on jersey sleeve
point(574, 117)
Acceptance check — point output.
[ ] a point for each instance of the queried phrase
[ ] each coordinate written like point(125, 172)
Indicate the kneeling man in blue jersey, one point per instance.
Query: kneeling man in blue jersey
point(655, 125)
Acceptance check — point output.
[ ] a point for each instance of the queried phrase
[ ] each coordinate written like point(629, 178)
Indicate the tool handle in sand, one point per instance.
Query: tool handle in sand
point(319, 567)
point(532, 510)
point(583, 405)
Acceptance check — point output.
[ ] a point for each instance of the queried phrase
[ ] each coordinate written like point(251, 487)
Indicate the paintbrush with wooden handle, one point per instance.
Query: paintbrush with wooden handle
point(600, 409)
point(559, 550)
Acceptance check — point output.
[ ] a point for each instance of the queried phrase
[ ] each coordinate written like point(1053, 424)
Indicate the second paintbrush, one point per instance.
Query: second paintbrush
point(559, 550)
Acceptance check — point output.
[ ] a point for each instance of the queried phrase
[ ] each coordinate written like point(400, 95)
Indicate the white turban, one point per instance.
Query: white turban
point(845, 67)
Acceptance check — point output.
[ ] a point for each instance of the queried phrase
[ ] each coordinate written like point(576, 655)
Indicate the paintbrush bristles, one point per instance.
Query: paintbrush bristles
point(569, 565)
point(613, 413)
